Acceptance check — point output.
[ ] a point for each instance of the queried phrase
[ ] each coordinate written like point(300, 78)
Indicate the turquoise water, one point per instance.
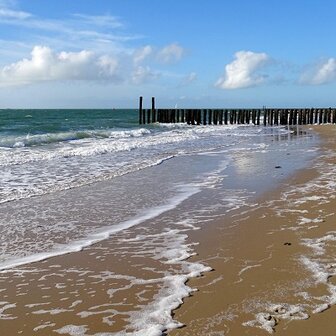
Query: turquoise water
point(44, 151)
point(19, 125)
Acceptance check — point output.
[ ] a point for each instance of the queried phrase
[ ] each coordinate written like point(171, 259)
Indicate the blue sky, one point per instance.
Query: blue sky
point(193, 53)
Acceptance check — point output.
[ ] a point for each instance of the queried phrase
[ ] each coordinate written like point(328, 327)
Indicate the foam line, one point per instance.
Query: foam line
point(76, 246)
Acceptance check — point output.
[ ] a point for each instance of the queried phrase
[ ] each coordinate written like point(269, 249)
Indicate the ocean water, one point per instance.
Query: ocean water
point(42, 151)
point(71, 179)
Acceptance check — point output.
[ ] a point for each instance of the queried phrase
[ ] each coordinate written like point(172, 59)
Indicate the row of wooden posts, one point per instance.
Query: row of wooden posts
point(265, 116)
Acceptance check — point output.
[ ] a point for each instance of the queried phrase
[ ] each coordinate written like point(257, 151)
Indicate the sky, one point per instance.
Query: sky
point(186, 53)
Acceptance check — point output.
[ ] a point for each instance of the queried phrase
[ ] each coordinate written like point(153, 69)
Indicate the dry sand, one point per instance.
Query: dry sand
point(259, 284)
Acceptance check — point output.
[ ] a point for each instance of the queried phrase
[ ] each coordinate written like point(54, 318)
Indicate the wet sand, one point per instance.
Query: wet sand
point(256, 253)
point(275, 267)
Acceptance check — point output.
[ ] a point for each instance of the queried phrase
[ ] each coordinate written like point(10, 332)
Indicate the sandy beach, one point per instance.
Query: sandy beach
point(266, 266)
point(274, 266)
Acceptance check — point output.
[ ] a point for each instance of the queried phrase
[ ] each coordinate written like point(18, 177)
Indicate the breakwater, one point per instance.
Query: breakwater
point(257, 116)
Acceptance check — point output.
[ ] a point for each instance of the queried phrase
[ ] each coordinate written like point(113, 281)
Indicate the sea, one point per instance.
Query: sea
point(74, 178)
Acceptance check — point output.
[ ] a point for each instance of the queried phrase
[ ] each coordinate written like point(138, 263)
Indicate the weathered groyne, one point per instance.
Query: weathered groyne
point(265, 116)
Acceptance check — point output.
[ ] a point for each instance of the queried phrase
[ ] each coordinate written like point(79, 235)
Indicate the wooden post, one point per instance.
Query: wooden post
point(300, 117)
point(315, 116)
point(148, 116)
point(153, 110)
point(144, 116)
point(329, 115)
point(210, 117)
point(187, 116)
point(311, 116)
point(274, 113)
point(291, 114)
point(215, 116)
point(248, 116)
point(320, 116)
point(303, 120)
point(231, 117)
point(204, 117)
point(282, 117)
point(177, 115)
point(286, 117)
point(192, 117)
point(258, 117)
point(325, 116)
point(140, 110)
point(182, 116)
point(225, 117)
point(254, 116)
point(238, 116)
point(306, 117)
point(271, 116)
point(295, 117)
point(199, 117)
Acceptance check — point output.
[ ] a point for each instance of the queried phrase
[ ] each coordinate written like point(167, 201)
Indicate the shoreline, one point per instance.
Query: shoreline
point(144, 270)
point(267, 265)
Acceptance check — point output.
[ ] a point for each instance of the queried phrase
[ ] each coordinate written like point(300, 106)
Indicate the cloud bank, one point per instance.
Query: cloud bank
point(47, 65)
point(242, 72)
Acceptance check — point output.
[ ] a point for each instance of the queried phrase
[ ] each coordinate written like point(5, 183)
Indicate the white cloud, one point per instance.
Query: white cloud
point(143, 74)
point(100, 20)
point(171, 53)
point(190, 78)
point(13, 14)
point(47, 65)
point(142, 53)
point(243, 71)
point(322, 73)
